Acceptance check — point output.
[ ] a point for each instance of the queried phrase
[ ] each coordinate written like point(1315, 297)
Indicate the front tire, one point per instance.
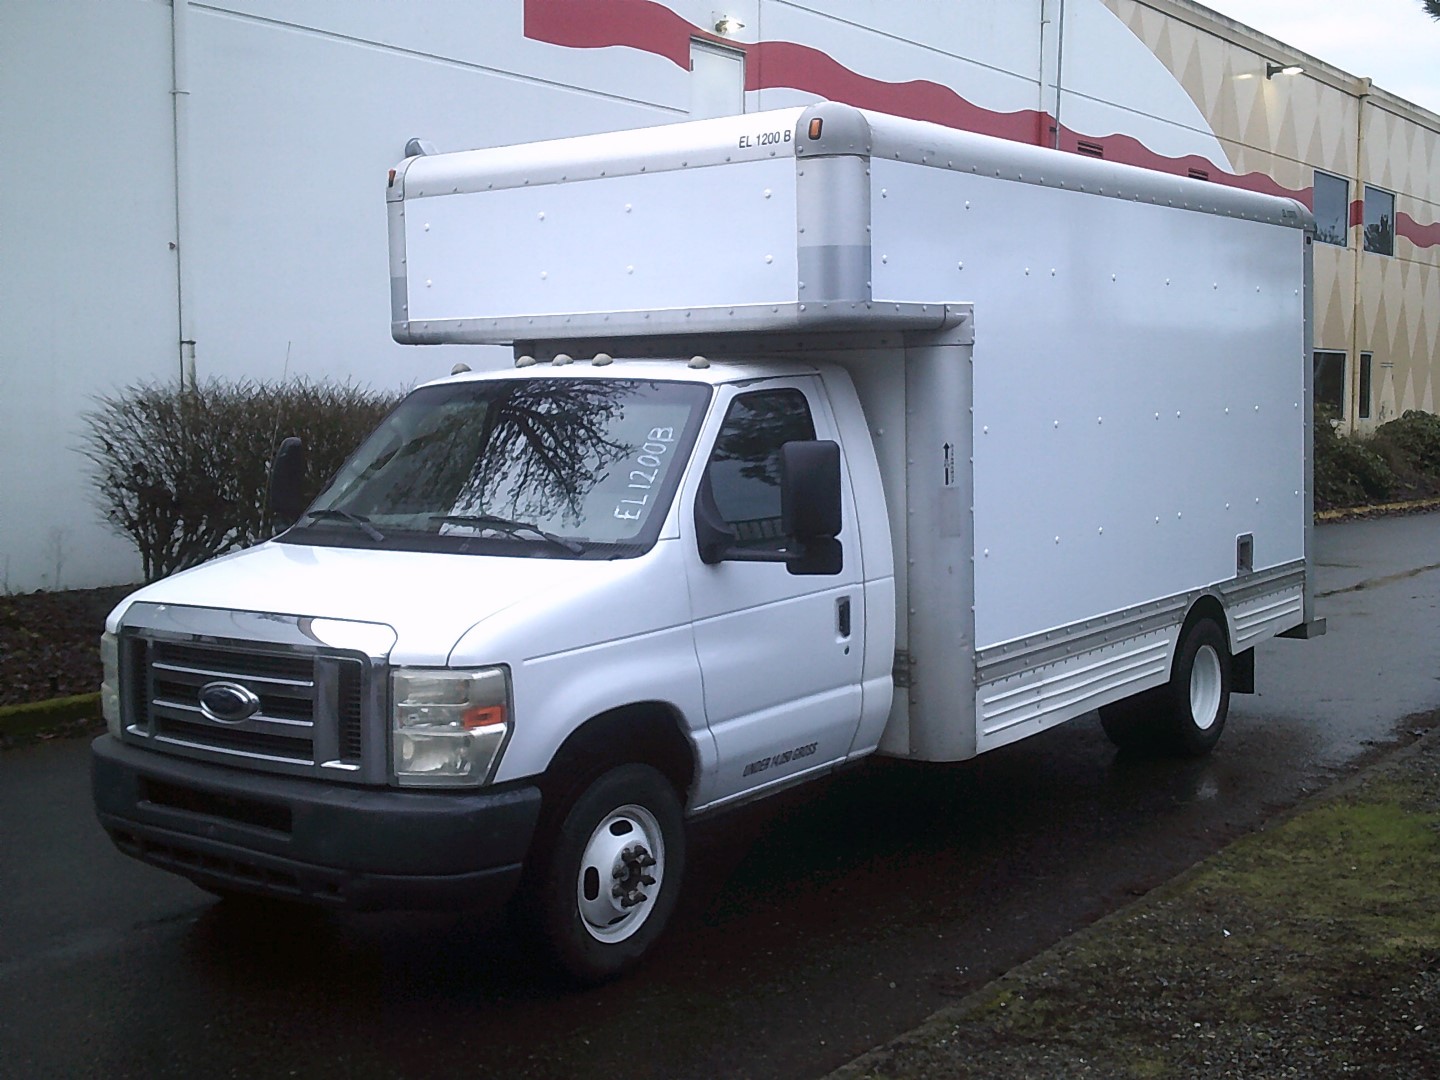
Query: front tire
point(610, 874)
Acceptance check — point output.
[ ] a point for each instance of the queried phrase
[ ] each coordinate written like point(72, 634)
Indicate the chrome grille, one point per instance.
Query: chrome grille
point(311, 714)
point(351, 713)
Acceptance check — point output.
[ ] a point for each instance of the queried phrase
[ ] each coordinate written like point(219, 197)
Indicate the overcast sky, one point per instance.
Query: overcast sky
point(1393, 41)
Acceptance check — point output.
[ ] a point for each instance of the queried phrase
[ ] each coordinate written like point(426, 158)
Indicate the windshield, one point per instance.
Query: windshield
point(555, 468)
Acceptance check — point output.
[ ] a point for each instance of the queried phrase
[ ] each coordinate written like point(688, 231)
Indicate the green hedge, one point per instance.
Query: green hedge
point(1401, 460)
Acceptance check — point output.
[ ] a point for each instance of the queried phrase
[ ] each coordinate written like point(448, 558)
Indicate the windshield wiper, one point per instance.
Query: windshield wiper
point(509, 528)
point(354, 519)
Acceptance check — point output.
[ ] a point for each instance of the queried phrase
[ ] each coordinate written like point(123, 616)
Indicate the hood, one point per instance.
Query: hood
point(430, 600)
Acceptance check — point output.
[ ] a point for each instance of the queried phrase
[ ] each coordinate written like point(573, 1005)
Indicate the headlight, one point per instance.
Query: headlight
point(110, 682)
point(448, 728)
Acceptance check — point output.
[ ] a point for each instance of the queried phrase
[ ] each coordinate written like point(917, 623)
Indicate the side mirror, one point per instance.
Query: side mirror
point(810, 506)
point(809, 514)
point(287, 477)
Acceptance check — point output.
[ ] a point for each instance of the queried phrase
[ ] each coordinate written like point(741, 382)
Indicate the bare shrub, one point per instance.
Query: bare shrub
point(183, 472)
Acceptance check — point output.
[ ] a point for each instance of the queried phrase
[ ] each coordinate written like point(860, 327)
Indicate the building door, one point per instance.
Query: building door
point(717, 80)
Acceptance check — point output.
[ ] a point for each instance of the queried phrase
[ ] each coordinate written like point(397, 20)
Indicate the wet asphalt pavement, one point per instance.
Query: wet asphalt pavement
point(813, 927)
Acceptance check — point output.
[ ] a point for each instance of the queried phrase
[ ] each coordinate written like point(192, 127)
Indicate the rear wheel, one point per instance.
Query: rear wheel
point(1199, 691)
point(1186, 716)
point(609, 874)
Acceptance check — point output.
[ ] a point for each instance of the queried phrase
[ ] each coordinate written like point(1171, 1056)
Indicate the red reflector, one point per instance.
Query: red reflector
point(486, 717)
point(815, 126)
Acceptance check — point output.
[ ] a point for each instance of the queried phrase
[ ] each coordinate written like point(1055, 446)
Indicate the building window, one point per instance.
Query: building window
point(1330, 382)
point(1379, 221)
point(1363, 406)
point(1332, 209)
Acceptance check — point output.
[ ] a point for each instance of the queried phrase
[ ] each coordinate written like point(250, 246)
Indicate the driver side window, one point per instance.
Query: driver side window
point(744, 468)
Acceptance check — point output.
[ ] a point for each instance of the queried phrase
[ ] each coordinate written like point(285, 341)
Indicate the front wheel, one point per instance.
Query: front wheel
point(610, 874)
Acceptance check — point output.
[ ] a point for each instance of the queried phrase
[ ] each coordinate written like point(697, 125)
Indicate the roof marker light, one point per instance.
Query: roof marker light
point(603, 359)
point(698, 362)
point(816, 125)
point(525, 361)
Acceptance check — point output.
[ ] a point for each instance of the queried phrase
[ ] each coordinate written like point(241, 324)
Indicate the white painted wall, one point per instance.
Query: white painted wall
point(296, 110)
point(87, 274)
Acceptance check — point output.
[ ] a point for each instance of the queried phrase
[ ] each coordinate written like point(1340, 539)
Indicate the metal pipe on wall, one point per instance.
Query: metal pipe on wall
point(1052, 29)
point(180, 97)
point(1352, 370)
point(1059, 72)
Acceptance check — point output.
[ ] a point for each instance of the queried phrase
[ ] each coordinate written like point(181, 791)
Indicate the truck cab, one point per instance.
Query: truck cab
point(517, 601)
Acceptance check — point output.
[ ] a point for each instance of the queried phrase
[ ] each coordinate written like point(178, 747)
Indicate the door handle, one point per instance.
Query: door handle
point(842, 616)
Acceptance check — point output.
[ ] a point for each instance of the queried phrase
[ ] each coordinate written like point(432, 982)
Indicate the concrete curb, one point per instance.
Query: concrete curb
point(40, 716)
point(1354, 513)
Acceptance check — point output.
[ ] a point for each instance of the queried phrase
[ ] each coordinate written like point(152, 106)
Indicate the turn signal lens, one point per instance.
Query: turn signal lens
point(488, 716)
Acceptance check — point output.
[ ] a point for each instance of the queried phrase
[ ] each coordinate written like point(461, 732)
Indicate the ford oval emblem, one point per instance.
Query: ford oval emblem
point(228, 702)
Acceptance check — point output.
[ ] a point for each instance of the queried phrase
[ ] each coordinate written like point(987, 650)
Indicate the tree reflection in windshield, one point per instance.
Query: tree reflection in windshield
point(589, 459)
point(543, 448)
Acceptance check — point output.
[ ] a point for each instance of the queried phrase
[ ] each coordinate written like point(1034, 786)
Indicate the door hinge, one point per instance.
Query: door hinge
point(903, 673)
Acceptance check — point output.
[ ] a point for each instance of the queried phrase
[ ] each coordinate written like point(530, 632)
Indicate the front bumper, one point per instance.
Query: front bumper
point(364, 849)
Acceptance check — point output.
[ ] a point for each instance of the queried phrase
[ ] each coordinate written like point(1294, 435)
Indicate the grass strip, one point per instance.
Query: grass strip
point(1309, 949)
point(42, 716)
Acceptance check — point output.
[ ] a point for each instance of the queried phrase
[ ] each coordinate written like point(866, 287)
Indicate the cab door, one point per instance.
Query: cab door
point(780, 654)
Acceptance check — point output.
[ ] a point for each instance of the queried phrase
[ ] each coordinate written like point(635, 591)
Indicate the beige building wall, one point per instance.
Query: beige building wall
point(1278, 129)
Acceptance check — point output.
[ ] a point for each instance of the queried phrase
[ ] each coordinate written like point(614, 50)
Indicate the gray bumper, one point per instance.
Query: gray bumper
point(332, 844)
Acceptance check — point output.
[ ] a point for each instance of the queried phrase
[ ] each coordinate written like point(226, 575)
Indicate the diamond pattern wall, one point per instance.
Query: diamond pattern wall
point(1286, 127)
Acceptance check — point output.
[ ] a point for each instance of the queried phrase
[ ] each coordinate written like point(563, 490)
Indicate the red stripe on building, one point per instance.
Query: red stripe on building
point(771, 65)
point(1417, 234)
point(601, 24)
point(784, 64)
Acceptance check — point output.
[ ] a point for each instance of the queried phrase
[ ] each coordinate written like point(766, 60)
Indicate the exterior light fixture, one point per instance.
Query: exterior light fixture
point(1271, 70)
point(727, 24)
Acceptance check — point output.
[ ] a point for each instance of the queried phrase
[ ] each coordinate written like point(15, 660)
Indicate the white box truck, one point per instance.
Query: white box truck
point(829, 434)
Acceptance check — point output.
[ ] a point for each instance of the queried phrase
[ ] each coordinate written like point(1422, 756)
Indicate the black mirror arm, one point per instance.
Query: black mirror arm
point(287, 477)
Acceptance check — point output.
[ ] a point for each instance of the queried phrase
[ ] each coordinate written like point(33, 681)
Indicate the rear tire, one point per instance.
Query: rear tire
point(608, 875)
point(1199, 692)
point(1187, 716)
